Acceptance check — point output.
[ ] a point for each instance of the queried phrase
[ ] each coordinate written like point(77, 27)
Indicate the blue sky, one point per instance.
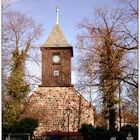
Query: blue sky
point(71, 13)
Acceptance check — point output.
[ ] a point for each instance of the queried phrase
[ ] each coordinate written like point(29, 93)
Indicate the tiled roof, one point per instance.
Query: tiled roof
point(56, 38)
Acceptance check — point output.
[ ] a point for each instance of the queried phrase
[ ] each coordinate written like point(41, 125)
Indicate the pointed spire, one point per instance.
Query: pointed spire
point(57, 13)
point(56, 38)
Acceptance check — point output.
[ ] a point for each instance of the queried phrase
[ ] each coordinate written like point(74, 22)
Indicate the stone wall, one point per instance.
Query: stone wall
point(49, 105)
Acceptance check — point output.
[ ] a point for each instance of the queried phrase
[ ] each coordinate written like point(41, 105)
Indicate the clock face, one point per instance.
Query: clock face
point(56, 58)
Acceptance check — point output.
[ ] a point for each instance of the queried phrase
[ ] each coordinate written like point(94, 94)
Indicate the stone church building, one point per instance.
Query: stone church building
point(57, 105)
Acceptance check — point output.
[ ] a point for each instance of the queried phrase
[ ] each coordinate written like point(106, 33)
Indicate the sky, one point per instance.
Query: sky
point(71, 12)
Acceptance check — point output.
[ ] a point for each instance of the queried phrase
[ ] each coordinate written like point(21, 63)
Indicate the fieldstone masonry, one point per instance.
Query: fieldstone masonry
point(56, 94)
point(49, 104)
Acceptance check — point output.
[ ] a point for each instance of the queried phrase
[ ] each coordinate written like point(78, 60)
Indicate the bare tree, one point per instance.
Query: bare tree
point(122, 37)
point(19, 36)
point(18, 32)
point(5, 4)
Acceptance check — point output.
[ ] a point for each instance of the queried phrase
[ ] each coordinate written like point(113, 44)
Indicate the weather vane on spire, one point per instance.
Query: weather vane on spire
point(57, 14)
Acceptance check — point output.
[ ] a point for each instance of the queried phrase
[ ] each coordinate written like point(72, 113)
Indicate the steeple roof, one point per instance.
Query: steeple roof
point(56, 38)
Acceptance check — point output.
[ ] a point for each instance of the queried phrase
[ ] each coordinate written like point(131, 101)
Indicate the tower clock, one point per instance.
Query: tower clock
point(56, 60)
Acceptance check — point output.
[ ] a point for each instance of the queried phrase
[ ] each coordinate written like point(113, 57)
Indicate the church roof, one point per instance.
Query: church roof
point(56, 38)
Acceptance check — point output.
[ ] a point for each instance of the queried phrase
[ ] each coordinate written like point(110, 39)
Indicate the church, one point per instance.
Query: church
point(58, 106)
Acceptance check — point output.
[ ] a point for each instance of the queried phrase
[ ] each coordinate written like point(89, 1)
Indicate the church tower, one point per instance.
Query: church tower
point(56, 59)
point(58, 106)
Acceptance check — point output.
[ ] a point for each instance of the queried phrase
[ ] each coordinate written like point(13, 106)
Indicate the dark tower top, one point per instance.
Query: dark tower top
point(56, 60)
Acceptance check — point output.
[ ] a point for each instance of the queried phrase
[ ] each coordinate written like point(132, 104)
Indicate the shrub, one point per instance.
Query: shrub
point(26, 125)
point(100, 133)
point(126, 129)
